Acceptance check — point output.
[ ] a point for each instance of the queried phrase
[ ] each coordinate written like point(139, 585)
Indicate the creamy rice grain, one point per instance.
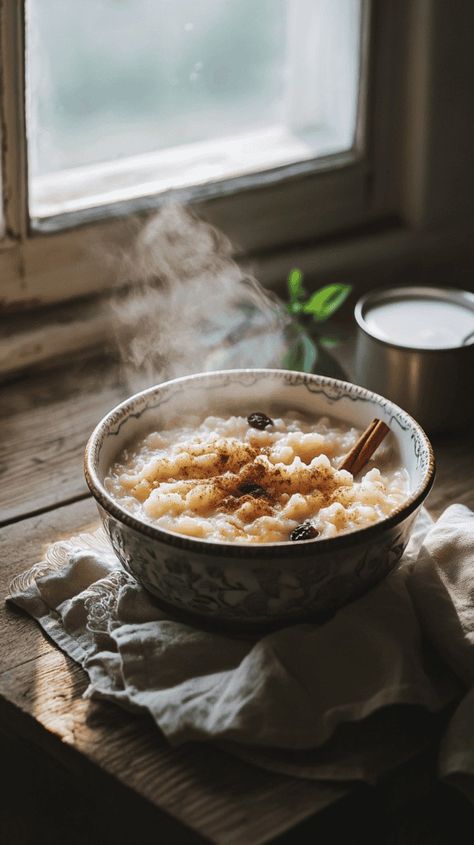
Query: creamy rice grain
point(222, 479)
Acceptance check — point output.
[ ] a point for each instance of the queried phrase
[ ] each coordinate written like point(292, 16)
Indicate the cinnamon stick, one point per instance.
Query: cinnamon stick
point(362, 451)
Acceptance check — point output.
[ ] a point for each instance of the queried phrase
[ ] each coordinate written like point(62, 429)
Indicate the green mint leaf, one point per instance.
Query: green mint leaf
point(301, 356)
point(329, 341)
point(295, 307)
point(309, 354)
point(295, 285)
point(325, 302)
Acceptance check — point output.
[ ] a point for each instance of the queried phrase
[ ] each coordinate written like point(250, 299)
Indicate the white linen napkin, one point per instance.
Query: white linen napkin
point(442, 586)
point(290, 691)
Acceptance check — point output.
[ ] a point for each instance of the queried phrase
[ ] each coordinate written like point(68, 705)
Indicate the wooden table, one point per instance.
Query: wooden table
point(90, 769)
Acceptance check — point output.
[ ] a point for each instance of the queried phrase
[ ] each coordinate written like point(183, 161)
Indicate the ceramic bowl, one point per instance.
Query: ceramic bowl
point(256, 585)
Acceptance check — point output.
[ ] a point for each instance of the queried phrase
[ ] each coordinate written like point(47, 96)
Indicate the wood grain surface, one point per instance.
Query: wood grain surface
point(45, 421)
point(197, 791)
point(454, 480)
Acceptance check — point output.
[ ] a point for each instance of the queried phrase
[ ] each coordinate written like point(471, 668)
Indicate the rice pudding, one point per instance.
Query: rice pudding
point(255, 479)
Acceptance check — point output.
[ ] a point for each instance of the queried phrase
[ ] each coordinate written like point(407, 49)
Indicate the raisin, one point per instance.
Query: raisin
point(259, 420)
point(251, 489)
point(305, 531)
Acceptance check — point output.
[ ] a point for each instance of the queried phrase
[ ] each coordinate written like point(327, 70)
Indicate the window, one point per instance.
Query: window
point(265, 114)
point(128, 99)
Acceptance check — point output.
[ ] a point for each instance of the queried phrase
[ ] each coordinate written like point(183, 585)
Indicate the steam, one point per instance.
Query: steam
point(190, 307)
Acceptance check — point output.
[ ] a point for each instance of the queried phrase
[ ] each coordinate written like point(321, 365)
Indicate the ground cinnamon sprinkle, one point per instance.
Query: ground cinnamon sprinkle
point(233, 468)
point(224, 479)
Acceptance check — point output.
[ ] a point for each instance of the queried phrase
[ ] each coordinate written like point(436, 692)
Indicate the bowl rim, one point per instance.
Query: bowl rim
point(239, 549)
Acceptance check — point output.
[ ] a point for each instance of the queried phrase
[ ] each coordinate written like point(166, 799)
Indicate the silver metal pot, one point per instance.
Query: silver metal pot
point(436, 386)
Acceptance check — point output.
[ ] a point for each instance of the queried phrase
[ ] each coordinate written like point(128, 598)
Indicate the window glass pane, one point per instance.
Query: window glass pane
point(179, 92)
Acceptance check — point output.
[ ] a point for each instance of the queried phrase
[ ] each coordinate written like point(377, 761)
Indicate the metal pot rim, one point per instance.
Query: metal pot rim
point(378, 295)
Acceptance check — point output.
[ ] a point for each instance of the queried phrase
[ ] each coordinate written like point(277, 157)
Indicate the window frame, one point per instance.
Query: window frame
point(262, 213)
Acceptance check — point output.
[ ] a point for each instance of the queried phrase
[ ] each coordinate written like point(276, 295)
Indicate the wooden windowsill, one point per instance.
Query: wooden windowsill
point(387, 254)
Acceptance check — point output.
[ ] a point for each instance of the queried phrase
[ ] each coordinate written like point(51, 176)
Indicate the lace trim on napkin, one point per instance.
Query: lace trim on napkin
point(101, 598)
